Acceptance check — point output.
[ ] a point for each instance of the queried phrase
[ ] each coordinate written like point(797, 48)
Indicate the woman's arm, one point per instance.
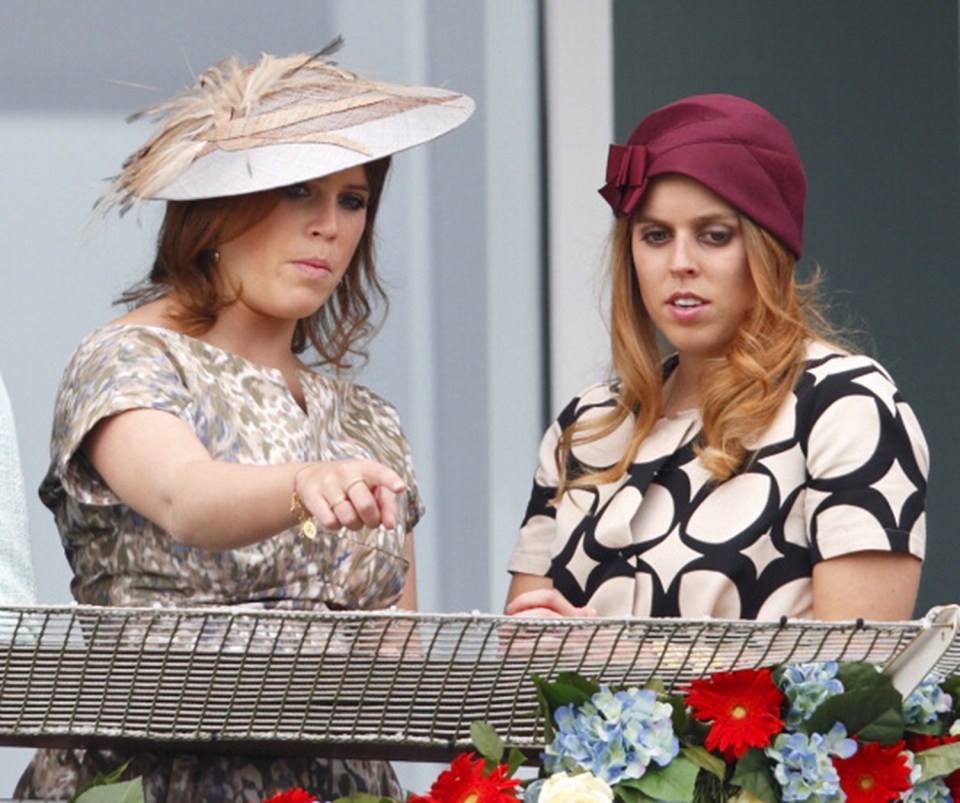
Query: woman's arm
point(155, 463)
point(881, 586)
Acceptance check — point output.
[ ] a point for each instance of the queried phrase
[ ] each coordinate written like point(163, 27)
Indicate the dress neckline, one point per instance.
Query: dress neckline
point(174, 334)
point(273, 375)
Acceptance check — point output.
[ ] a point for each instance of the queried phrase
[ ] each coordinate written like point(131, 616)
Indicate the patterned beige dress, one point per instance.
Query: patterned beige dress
point(243, 413)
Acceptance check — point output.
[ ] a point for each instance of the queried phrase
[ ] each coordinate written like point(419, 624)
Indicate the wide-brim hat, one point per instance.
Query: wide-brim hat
point(246, 128)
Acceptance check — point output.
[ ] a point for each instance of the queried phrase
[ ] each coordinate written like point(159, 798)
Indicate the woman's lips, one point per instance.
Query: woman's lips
point(686, 306)
point(314, 268)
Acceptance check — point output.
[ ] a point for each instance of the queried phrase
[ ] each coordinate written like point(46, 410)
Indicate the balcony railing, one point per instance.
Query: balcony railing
point(391, 685)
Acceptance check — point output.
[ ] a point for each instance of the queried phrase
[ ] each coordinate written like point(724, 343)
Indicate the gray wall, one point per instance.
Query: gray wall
point(869, 91)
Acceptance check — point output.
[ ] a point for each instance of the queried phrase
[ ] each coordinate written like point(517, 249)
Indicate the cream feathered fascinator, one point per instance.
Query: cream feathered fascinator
point(242, 129)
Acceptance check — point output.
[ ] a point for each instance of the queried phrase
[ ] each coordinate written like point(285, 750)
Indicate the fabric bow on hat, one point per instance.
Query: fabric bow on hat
point(626, 178)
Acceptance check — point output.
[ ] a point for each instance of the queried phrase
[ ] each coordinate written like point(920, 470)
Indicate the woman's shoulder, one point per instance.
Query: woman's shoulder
point(851, 388)
point(118, 334)
point(597, 395)
point(830, 364)
point(122, 344)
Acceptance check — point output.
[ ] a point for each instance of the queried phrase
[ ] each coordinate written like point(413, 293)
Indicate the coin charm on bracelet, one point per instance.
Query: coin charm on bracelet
point(307, 526)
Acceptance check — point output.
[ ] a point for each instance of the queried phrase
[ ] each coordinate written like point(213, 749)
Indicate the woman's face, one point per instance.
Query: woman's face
point(288, 264)
point(691, 265)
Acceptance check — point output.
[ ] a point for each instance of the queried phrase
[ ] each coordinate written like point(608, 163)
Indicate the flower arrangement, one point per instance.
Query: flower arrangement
point(804, 732)
point(823, 732)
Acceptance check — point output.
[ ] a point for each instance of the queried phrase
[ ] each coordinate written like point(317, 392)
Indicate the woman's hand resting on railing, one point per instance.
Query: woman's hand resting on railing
point(544, 602)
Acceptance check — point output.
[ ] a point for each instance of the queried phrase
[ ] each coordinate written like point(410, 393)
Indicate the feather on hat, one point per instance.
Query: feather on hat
point(242, 129)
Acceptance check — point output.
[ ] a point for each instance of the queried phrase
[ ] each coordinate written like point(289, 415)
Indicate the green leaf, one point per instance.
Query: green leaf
point(887, 728)
point(630, 795)
point(710, 789)
point(937, 761)
point(578, 681)
point(543, 707)
point(122, 792)
point(487, 741)
point(515, 759)
point(676, 781)
point(874, 712)
point(127, 791)
point(705, 760)
point(753, 774)
point(568, 689)
point(860, 674)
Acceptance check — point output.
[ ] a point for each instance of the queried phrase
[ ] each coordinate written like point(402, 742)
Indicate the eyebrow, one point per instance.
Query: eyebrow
point(709, 217)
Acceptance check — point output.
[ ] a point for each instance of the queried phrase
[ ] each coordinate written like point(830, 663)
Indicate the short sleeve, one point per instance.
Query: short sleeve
point(375, 431)
point(114, 370)
point(867, 460)
point(415, 507)
point(532, 554)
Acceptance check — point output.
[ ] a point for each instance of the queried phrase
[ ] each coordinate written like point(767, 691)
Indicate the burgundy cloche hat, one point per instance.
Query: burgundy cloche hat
point(731, 145)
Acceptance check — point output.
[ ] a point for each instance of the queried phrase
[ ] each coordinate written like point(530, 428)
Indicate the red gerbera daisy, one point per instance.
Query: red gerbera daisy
point(744, 707)
point(465, 782)
point(874, 774)
point(292, 796)
point(918, 742)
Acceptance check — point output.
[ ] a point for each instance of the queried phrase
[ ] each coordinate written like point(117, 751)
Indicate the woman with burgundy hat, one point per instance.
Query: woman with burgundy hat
point(757, 471)
point(197, 458)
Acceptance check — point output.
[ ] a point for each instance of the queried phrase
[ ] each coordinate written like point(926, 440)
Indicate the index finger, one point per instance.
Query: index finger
point(376, 475)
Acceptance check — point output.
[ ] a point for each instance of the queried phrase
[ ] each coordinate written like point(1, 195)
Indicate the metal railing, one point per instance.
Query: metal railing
point(392, 685)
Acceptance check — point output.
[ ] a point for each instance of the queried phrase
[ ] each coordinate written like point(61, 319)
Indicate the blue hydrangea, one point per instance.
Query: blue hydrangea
point(932, 791)
point(926, 701)
point(614, 736)
point(804, 768)
point(806, 686)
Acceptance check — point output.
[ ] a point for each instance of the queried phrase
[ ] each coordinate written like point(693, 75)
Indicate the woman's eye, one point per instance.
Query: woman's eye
point(718, 236)
point(655, 236)
point(355, 202)
point(299, 190)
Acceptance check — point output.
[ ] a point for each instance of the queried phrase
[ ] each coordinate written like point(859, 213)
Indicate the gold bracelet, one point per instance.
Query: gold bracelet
point(306, 525)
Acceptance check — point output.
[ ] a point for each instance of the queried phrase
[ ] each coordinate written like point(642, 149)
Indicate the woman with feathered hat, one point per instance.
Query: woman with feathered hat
point(198, 458)
point(759, 470)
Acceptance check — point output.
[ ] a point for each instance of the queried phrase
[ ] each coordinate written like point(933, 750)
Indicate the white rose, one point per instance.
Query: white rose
point(584, 787)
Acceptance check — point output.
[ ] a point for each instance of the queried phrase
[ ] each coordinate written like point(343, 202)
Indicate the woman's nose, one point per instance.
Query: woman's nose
point(323, 222)
point(683, 259)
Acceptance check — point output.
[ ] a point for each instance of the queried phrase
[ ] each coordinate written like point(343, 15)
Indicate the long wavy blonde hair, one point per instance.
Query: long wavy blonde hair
point(740, 394)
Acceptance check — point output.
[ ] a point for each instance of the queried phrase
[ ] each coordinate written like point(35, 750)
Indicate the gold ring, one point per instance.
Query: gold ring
point(339, 501)
point(349, 485)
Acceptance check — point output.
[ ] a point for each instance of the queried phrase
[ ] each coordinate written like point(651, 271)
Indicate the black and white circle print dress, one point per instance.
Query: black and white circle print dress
point(842, 469)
